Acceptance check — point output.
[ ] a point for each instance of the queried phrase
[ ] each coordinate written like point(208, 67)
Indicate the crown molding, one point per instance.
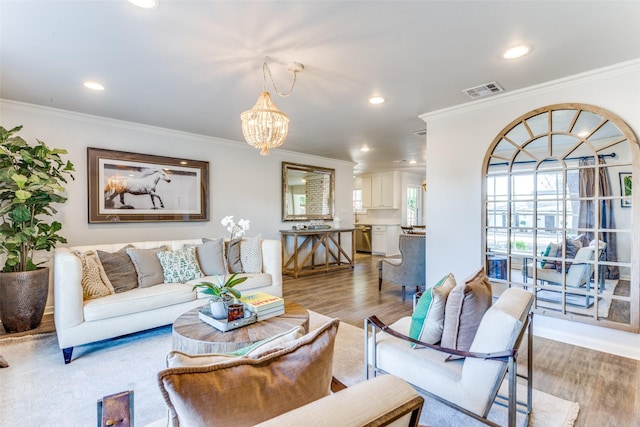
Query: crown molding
point(139, 127)
point(564, 82)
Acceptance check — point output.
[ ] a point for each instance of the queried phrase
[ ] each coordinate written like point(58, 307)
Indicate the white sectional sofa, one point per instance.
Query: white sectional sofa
point(80, 321)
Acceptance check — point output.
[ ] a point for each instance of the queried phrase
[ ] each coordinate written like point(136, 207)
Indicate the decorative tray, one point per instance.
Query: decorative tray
point(222, 324)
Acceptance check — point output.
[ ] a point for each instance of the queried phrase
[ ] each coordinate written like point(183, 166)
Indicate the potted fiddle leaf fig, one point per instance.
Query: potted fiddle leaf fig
point(31, 178)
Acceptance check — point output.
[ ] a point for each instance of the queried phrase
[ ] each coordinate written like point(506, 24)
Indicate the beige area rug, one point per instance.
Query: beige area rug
point(38, 389)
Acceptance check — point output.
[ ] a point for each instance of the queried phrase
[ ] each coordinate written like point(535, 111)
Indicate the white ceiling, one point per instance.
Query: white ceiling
point(196, 65)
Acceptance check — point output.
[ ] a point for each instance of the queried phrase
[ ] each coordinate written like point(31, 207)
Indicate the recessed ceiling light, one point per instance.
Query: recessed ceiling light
point(516, 51)
point(93, 85)
point(412, 162)
point(365, 148)
point(147, 4)
point(376, 100)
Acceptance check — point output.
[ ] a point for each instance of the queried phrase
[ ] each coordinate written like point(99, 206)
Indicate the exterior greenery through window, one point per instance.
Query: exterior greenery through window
point(413, 201)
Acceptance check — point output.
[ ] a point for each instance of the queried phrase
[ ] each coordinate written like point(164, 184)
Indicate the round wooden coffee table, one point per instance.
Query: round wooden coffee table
point(193, 336)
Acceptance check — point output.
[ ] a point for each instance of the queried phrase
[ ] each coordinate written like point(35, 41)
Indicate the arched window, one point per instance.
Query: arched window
point(558, 214)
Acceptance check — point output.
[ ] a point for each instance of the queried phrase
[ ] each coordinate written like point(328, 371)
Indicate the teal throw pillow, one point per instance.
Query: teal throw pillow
point(427, 321)
point(550, 251)
point(179, 266)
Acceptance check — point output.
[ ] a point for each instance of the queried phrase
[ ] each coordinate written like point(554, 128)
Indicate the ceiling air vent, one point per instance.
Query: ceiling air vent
point(481, 91)
point(420, 132)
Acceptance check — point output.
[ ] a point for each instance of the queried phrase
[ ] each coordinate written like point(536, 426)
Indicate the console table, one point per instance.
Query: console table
point(306, 245)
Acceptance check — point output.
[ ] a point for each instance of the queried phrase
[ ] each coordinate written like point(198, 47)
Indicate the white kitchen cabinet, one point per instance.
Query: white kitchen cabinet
point(384, 239)
point(381, 191)
point(366, 191)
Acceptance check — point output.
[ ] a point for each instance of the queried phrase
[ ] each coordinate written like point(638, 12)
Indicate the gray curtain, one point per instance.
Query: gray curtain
point(586, 217)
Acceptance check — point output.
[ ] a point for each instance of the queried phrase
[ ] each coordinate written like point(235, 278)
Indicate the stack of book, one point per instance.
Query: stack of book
point(264, 305)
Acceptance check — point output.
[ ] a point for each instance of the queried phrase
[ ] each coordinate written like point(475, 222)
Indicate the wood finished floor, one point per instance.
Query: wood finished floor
point(607, 387)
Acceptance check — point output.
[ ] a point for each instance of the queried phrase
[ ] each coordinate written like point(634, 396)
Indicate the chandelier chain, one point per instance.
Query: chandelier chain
point(266, 70)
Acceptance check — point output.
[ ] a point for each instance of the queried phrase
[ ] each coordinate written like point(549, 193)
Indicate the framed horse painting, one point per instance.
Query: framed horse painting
point(131, 187)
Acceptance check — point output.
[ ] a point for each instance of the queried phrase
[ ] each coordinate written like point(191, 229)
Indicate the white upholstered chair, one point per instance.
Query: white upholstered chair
point(578, 275)
point(471, 384)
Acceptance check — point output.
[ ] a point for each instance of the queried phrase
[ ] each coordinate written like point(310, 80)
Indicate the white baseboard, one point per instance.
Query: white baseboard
point(620, 343)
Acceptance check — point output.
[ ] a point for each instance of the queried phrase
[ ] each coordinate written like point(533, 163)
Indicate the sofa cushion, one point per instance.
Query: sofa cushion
point(147, 265)
point(246, 391)
point(251, 254)
point(137, 300)
point(465, 307)
point(427, 321)
point(119, 269)
point(432, 374)
point(179, 266)
point(211, 256)
point(94, 281)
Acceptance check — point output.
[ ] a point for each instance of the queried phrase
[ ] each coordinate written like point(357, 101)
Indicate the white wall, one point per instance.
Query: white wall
point(457, 141)
point(241, 182)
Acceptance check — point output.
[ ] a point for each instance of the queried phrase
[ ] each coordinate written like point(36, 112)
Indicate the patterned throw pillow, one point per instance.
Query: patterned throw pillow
point(251, 254)
point(95, 283)
point(427, 321)
point(179, 266)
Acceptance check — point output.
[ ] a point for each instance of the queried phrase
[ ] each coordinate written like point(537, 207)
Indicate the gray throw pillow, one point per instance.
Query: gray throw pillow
point(233, 256)
point(119, 269)
point(211, 256)
point(148, 266)
point(466, 304)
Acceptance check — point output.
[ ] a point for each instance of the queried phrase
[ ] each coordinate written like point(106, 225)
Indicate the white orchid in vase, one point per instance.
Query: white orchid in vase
point(224, 288)
point(236, 230)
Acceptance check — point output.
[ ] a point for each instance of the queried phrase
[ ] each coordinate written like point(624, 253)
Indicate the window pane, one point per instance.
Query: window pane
point(522, 186)
point(562, 119)
point(518, 134)
point(586, 123)
point(539, 124)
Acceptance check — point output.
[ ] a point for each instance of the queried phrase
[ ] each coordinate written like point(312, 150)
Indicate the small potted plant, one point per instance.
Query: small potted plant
point(222, 294)
point(31, 178)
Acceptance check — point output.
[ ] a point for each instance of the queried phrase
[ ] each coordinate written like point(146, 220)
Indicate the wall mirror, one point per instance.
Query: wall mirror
point(558, 214)
point(307, 192)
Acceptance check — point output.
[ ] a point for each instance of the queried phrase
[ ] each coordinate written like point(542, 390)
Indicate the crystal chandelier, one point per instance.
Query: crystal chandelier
point(264, 126)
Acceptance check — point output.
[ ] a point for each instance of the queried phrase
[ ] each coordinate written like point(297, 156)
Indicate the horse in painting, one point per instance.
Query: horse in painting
point(145, 183)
